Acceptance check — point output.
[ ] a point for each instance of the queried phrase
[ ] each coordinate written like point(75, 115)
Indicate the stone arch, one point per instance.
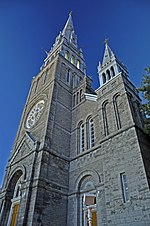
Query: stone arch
point(93, 173)
point(7, 203)
point(17, 169)
point(13, 180)
point(85, 182)
point(88, 117)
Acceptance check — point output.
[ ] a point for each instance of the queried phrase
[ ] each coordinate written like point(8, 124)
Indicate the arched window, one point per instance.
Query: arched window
point(67, 54)
point(78, 64)
point(68, 76)
point(108, 75)
point(116, 101)
point(90, 133)
point(77, 100)
point(72, 59)
point(105, 118)
point(104, 77)
point(112, 71)
point(80, 95)
point(81, 137)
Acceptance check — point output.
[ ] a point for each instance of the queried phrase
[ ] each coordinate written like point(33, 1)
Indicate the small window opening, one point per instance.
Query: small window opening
point(124, 186)
point(104, 78)
point(78, 64)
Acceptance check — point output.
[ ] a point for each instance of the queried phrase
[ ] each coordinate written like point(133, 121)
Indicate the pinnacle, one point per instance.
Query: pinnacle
point(108, 53)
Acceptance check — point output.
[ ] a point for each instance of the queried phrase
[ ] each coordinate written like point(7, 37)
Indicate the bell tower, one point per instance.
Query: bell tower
point(35, 187)
point(110, 66)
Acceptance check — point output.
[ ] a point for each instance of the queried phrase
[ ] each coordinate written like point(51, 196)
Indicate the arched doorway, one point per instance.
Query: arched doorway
point(11, 204)
point(87, 199)
point(90, 210)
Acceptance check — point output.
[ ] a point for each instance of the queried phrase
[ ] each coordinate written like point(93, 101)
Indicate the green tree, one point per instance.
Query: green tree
point(145, 89)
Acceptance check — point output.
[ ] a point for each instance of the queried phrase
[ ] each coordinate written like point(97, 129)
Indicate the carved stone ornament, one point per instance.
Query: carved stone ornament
point(34, 114)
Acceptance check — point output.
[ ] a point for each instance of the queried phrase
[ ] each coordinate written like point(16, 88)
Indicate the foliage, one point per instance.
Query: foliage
point(145, 89)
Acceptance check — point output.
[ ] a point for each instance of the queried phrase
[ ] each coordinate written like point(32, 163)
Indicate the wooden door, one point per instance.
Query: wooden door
point(14, 215)
point(94, 218)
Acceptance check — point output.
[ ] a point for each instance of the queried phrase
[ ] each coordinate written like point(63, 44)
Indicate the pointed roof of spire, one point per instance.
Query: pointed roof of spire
point(68, 27)
point(68, 31)
point(108, 53)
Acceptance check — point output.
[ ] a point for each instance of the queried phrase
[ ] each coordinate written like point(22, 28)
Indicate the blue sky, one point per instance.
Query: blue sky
point(26, 26)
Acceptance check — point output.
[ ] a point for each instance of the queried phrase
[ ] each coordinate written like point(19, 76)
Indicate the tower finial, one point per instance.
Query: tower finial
point(106, 41)
point(70, 14)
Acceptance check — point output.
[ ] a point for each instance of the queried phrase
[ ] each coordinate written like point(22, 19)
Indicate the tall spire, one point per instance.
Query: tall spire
point(68, 27)
point(66, 45)
point(68, 31)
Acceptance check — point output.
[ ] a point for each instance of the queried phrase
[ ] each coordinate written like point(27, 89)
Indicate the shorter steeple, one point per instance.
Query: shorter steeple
point(110, 66)
point(108, 53)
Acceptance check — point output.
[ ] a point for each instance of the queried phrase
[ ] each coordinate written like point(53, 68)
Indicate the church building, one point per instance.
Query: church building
point(80, 157)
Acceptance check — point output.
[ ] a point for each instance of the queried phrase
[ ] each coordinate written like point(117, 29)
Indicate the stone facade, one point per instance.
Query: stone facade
point(81, 143)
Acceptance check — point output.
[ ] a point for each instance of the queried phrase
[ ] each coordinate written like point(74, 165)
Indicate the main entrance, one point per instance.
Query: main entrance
point(89, 208)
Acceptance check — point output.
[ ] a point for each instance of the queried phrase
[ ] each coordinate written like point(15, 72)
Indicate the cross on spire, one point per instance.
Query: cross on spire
point(106, 41)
